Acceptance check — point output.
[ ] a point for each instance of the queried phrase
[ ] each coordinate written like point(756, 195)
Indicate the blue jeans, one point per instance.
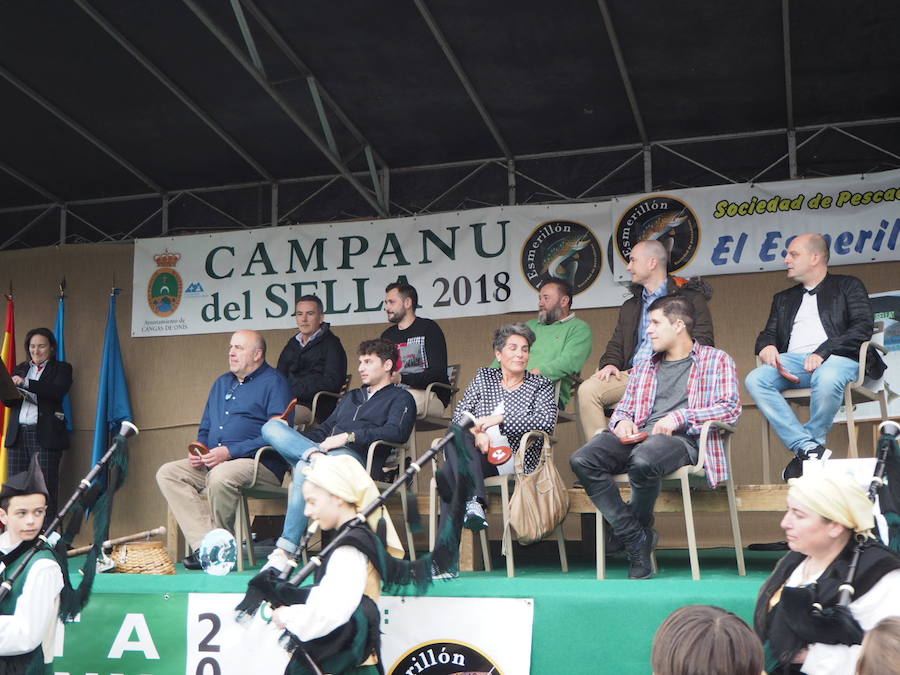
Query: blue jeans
point(293, 445)
point(827, 382)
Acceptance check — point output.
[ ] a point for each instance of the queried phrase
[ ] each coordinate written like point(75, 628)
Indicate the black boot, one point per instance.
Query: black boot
point(190, 562)
point(640, 556)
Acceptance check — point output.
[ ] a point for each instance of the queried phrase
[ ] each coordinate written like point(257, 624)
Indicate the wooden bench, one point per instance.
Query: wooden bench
point(750, 499)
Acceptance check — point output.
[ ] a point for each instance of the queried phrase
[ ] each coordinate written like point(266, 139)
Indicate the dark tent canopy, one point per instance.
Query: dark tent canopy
point(134, 118)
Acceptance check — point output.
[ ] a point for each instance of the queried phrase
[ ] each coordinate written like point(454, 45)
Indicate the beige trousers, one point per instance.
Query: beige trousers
point(594, 396)
point(435, 407)
point(203, 500)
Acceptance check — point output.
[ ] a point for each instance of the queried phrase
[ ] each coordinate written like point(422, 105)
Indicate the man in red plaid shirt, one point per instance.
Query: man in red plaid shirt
point(668, 398)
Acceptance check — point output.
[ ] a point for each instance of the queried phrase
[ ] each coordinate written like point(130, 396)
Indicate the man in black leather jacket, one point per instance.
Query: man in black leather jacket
point(812, 339)
point(313, 360)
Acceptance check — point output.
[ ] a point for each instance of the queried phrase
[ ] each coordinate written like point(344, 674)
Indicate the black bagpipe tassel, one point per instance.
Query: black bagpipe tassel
point(413, 516)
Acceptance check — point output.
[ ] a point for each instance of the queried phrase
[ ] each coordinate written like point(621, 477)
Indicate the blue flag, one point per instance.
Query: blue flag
point(113, 403)
point(60, 331)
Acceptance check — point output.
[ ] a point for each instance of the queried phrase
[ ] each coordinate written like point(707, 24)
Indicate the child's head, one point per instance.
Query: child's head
point(881, 649)
point(709, 640)
point(330, 510)
point(336, 488)
point(23, 503)
point(23, 516)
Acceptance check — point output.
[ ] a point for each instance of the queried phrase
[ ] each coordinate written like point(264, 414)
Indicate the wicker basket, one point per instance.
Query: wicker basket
point(142, 557)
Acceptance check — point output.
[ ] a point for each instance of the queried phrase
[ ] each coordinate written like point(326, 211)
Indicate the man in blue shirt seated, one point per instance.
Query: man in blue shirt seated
point(202, 489)
point(377, 411)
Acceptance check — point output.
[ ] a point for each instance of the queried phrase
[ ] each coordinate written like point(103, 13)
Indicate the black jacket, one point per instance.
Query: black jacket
point(50, 390)
point(846, 317)
point(388, 415)
point(621, 347)
point(319, 366)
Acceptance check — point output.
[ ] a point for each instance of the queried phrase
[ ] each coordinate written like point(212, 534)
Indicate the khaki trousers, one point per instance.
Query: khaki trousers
point(435, 407)
point(594, 396)
point(203, 500)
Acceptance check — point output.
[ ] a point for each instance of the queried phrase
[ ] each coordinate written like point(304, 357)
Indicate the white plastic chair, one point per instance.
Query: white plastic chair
point(683, 475)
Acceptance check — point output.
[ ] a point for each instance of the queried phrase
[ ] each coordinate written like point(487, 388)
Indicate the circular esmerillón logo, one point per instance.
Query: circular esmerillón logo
point(164, 287)
point(562, 249)
point(445, 657)
point(666, 219)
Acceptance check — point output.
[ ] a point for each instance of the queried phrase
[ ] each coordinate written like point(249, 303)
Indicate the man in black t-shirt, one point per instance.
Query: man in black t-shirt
point(421, 346)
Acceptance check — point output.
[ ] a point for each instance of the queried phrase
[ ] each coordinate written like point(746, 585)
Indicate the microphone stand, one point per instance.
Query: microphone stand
point(125, 431)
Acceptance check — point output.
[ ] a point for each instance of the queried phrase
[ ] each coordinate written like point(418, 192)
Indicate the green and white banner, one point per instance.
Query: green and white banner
point(741, 228)
point(491, 261)
point(195, 634)
point(470, 263)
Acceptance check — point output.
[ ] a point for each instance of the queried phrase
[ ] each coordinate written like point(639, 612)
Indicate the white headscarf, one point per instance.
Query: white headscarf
point(345, 477)
point(837, 496)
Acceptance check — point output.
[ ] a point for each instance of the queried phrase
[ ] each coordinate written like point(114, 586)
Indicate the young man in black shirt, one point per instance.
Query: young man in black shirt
point(421, 346)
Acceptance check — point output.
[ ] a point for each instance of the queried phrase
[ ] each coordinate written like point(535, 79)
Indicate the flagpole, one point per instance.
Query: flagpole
point(8, 354)
point(113, 401)
point(60, 330)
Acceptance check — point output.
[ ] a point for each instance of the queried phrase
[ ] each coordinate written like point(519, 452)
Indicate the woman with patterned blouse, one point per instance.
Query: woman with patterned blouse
point(507, 402)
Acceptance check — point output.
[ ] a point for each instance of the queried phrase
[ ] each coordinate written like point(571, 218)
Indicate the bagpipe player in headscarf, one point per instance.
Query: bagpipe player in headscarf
point(349, 580)
point(336, 621)
point(333, 626)
point(28, 615)
point(800, 616)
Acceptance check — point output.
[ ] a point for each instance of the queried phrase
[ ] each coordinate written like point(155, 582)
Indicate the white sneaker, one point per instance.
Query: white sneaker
point(449, 574)
point(475, 519)
point(279, 559)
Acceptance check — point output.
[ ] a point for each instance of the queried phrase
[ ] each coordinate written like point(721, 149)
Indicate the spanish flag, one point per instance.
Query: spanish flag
point(8, 354)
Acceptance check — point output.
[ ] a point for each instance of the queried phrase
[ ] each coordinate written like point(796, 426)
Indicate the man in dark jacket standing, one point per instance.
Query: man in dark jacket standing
point(377, 411)
point(811, 340)
point(313, 360)
point(629, 344)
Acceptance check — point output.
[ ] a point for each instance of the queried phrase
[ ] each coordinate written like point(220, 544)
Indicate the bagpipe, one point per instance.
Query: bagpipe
point(887, 460)
point(282, 588)
point(72, 601)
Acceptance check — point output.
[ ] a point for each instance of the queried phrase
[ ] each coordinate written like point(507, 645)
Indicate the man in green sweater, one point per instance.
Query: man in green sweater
point(562, 340)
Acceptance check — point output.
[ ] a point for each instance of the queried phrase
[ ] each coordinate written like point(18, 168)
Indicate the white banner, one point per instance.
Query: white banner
point(216, 643)
point(440, 636)
point(427, 634)
point(728, 229)
point(470, 263)
point(491, 261)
